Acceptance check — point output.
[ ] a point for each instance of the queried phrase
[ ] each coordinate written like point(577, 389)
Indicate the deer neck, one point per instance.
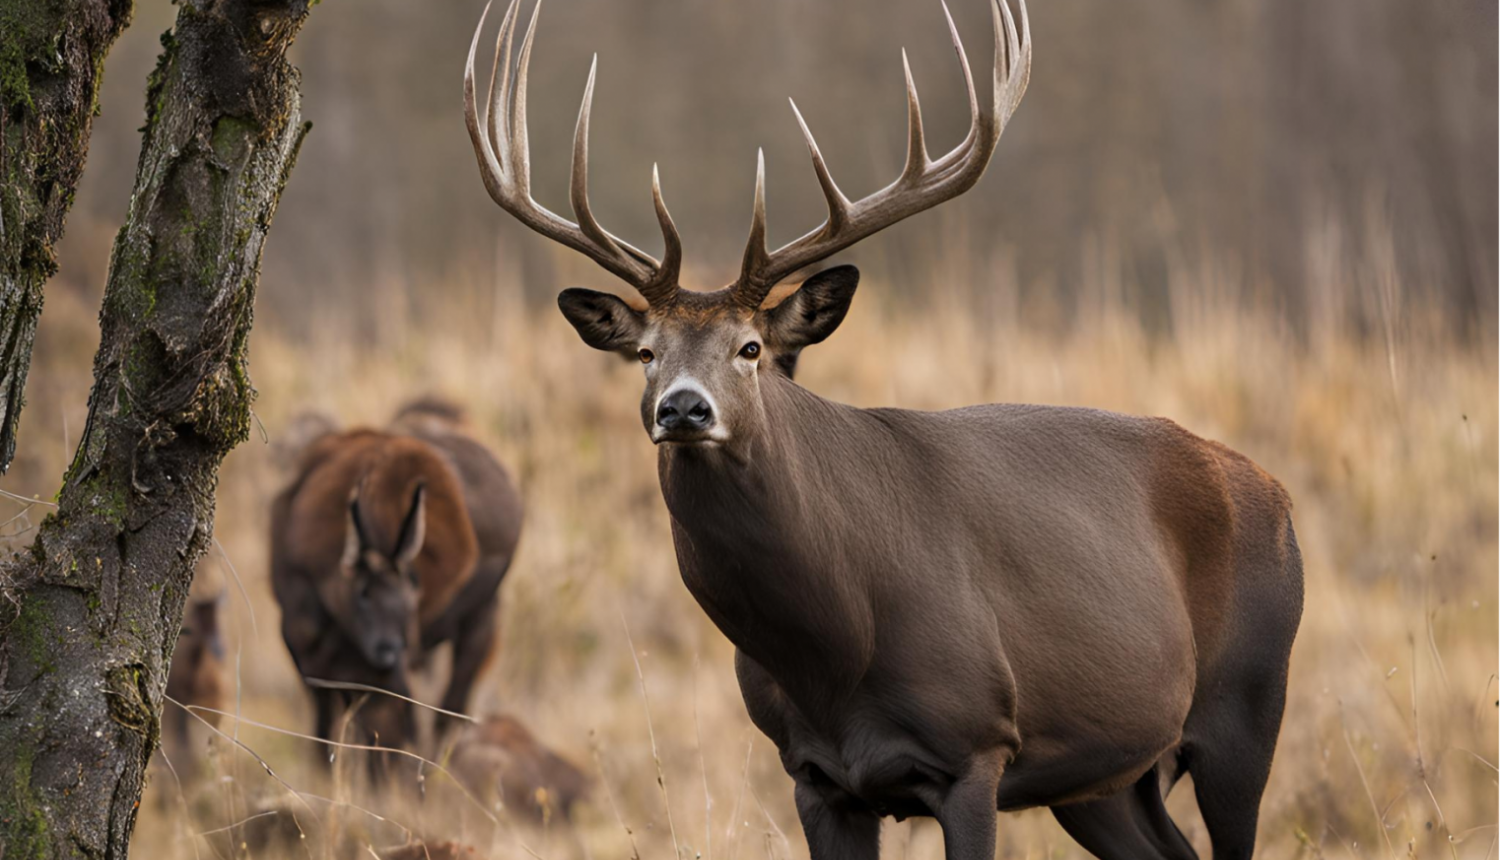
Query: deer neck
point(752, 537)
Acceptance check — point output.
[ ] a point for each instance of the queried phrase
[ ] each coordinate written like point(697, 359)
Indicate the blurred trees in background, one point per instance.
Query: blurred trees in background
point(1275, 150)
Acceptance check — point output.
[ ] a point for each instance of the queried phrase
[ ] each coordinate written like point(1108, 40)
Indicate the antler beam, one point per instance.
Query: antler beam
point(504, 154)
point(923, 183)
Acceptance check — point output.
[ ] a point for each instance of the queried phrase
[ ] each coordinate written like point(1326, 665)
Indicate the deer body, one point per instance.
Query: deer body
point(196, 680)
point(943, 586)
point(938, 613)
point(385, 545)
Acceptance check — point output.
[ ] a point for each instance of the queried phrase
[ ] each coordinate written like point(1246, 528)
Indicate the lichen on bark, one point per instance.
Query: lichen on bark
point(51, 65)
point(90, 616)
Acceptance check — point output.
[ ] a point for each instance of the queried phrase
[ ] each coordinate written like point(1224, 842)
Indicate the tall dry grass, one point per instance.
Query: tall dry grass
point(1386, 440)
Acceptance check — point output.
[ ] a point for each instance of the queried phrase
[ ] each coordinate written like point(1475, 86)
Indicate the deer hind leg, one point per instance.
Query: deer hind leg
point(1130, 825)
point(1231, 739)
point(473, 649)
point(1229, 755)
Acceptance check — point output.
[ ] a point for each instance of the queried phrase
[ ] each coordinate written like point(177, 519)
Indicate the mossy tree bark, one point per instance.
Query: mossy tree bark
point(51, 65)
point(89, 617)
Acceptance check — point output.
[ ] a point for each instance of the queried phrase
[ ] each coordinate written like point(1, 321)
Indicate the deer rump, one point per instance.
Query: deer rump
point(468, 515)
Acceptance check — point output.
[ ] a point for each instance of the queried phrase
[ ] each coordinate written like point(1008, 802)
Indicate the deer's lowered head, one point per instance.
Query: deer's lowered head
point(380, 577)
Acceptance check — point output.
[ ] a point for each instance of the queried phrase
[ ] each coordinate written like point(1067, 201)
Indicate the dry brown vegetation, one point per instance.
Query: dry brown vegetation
point(1387, 443)
point(1270, 220)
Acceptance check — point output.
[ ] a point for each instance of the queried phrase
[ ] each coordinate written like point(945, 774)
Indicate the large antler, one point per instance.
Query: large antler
point(923, 183)
point(505, 163)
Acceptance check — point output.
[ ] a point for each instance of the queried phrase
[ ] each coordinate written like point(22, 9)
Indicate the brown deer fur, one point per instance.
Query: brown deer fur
point(195, 679)
point(382, 547)
point(500, 758)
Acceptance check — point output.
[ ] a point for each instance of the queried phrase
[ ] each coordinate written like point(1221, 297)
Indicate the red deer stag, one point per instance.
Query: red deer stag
point(939, 613)
point(384, 546)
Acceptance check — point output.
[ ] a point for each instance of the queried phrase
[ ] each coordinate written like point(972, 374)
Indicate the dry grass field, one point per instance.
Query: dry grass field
point(1386, 440)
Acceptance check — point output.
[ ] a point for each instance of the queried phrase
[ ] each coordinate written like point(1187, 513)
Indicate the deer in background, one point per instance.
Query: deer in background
point(500, 760)
point(196, 680)
point(938, 613)
point(385, 545)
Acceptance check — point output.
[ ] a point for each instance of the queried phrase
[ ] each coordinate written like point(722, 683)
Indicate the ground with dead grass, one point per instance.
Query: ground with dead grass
point(1385, 439)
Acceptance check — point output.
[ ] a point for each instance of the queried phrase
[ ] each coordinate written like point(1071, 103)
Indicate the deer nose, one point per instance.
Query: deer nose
point(684, 409)
point(387, 652)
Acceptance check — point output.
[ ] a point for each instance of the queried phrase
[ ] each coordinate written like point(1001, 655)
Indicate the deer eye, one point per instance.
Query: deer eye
point(750, 350)
point(647, 356)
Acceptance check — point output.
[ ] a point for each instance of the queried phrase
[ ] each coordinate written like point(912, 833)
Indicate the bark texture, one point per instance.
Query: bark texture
point(51, 64)
point(90, 615)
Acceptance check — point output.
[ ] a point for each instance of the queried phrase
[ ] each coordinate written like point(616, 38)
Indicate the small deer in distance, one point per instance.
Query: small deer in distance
point(938, 614)
point(196, 680)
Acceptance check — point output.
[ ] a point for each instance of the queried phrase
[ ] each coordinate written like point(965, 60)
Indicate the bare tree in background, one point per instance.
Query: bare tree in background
point(90, 615)
point(51, 62)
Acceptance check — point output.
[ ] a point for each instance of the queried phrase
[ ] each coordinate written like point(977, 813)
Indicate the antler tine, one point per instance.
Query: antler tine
point(500, 77)
point(1018, 56)
point(520, 142)
point(750, 291)
point(838, 204)
point(1005, 30)
point(489, 165)
point(923, 182)
point(578, 188)
point(758, 214)
point(963, 62)
point(664, 285)
point(502, 147)
point(916, 142)
point(659, 285)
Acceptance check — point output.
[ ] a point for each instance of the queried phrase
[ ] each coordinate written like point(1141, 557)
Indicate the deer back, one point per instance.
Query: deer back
point(310, 519)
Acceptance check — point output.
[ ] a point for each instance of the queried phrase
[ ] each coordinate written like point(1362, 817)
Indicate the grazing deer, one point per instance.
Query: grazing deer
point(383, 547)
point(196, 679)
point(499, 758)
point(938, 613)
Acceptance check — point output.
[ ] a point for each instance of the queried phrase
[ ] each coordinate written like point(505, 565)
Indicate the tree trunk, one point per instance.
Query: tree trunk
point(51, 63)
point(90, 615)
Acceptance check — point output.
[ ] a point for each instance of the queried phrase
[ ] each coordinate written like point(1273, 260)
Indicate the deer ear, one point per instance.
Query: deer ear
point(355, 541)
point(810, 315)
point(602, 320)
point(413, 528)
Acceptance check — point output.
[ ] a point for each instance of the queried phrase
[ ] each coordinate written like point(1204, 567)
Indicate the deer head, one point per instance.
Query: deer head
point(704, 353)
point(382, 581)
